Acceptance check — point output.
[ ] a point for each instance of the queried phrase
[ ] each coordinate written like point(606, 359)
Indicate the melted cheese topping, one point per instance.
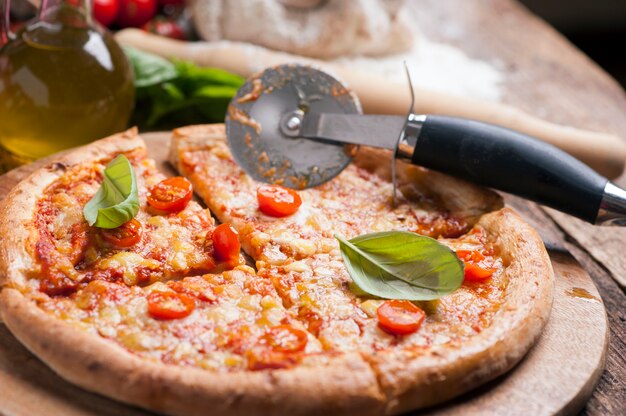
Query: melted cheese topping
point(355, 202)
point(319, 291)
point(223, 333)
point(301, 283)
point(72, 253)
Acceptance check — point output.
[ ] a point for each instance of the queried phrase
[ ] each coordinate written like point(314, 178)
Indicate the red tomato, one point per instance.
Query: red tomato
point(474, 273)
point(105, 11)
point(171, 194)
point(470, 255)
point(278, 201)
point(134, 13)
point(400, 317)
point(164, 27)
point(126, 235)
point(226, 243)
point(285, 338)
point(170, 305)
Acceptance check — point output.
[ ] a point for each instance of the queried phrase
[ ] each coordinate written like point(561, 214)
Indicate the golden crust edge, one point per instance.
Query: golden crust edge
point(415, 381)
point(345, 385)
point(17, 207)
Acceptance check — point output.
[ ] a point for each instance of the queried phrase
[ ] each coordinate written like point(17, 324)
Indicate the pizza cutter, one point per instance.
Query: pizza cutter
point(298, 126)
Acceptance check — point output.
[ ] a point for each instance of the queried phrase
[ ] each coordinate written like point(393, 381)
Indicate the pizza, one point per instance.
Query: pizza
point(165, 312)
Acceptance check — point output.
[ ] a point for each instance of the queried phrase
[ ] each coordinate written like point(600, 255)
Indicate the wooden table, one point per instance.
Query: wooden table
point(548, 77)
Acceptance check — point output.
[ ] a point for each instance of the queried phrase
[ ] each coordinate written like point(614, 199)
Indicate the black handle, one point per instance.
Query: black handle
point(510, 161)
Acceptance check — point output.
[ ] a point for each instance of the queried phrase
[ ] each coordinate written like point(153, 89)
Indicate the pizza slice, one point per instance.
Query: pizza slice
point(157, 312)
point(451, 344)
point(321, 293)
point(358, 201)
point(166, 239)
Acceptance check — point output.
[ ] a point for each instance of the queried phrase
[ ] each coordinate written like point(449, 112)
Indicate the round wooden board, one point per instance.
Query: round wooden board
point(556, 377)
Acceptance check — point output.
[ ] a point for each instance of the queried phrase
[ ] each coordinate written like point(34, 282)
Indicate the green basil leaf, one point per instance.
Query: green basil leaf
point(149, 69)
point(216, 91)
point(401, 265)
point(117, 199)
point(179, 92)
point(197, 77)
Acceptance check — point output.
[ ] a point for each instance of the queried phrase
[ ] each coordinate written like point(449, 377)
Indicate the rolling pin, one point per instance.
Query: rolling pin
point(606, 153)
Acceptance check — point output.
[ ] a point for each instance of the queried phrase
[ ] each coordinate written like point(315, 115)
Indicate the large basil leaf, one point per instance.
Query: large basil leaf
point(117, 199)
point(401, 265)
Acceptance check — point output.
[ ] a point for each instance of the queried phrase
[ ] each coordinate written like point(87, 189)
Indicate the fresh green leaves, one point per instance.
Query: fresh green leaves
point(401, 265)
point(174, 93)
point(149, 69)
point(117, 200)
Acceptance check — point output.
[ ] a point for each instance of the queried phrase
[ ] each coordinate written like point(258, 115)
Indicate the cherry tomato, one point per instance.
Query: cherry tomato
point(285, 338)
point(170, 305)
point(399, 317)
point(475, 273)
point(470, 255)
point(278, 201)
point(134, 13)
point(105, 11)
point(226, 243)
point(171, 194)
point(126, 235)
point(165, 27)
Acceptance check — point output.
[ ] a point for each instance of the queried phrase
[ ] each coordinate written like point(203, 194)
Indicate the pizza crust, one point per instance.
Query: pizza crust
point(461, 198)
point(417, 380)
point(342, 385)
point(389, 382)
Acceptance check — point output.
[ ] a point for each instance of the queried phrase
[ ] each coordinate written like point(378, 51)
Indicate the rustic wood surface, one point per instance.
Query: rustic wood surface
point(548, 77)
point(545, 76)
point(572, 347)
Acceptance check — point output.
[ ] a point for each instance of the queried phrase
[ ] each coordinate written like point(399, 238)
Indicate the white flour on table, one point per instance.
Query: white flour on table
point(436, 66)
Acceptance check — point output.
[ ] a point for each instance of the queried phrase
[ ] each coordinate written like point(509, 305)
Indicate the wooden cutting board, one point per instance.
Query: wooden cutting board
point(556, 377)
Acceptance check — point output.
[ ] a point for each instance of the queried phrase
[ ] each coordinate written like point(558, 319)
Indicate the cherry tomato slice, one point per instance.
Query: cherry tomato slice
point(171, 194)
point(126, 235)
point(470, 255)
point(400, 317)
point(170, 305)
point(278, 201)
point(226, 243)
point(285, 338)
point(474, 273)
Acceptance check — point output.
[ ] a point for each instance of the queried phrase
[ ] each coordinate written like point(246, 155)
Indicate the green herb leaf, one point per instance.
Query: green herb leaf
point(401, 265)
point(198, 77)
point(149, 69)
point(176, 93)
point(117, 199)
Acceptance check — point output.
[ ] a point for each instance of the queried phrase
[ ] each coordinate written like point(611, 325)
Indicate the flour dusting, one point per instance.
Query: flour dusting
point(436, 66)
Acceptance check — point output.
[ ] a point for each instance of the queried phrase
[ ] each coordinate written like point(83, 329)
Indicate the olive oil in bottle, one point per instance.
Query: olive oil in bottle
point(63, 83)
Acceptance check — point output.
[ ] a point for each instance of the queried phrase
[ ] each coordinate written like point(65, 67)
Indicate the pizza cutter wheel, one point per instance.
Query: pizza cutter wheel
point(299, 127)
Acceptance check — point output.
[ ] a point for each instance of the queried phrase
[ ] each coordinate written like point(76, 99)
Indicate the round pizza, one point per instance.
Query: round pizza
point(123, 284)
